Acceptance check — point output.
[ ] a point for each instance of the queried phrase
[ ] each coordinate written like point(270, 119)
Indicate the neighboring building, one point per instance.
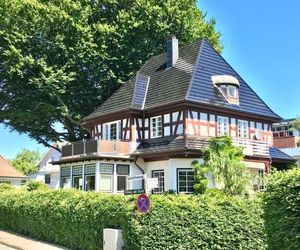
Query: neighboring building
point(284, 135)
point(158, 122)
point(49, 173)
point(8, 174)
point(287, 139)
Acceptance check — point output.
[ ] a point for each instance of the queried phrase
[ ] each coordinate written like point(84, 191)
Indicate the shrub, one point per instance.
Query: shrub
point(76, 219)
point(198, 222)
point(6, 186)
point(35, 185)
point(282, 210)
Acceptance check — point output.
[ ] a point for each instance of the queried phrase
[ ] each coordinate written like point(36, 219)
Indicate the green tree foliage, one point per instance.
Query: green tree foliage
point(60, 59)
point(223, 161)
point(282, 210)
point(26, 161)
point(296, 124)
point(201, 180)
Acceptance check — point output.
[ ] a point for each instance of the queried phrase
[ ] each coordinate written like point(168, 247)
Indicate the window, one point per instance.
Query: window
point(106, 183)
point(223, 126)
point(156, 127)
point(77, 177)
point(243, 128)
point(185, 180)
point(65, 173)
point(122, 173)
point(257, 179)
point(90, 177)
point(65, 182)
point(106, 177)
point(47, 178)
point(112, 131)
point(160, 175)
point(232, 91)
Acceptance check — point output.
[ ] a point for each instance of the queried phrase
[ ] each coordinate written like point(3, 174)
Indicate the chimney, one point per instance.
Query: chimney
point(172, 51)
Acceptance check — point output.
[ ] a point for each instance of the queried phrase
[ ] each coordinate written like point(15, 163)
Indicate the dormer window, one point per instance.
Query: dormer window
point(228, 86)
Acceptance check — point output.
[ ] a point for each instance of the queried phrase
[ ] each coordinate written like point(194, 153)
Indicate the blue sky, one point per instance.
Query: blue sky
point(261, 41)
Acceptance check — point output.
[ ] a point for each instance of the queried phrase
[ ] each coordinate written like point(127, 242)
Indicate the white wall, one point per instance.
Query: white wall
point(12, 181)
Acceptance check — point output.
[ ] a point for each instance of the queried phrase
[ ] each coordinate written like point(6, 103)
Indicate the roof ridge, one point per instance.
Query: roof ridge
point(194, 71)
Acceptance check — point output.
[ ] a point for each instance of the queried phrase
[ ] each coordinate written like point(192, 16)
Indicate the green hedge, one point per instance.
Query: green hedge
point(193, 222)
point(282, 210)
point(76, 220)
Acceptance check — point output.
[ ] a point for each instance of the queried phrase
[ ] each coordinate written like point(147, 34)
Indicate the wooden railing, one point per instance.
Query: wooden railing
point(97, 147)
point(252, 147)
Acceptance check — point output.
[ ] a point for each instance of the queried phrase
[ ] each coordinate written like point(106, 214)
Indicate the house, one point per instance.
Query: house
point(49, 173)
point(287, 139)
point(156, 124)
point(9, 174)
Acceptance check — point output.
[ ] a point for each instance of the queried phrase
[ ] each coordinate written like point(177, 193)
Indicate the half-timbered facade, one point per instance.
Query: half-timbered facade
point(157, 123)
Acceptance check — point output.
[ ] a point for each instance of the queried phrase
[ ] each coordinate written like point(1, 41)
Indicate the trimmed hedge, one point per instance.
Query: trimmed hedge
point(282, 210)
point(76, 219)
point(199, 222)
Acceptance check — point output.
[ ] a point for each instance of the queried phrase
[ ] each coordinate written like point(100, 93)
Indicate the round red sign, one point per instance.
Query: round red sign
point(143, 203)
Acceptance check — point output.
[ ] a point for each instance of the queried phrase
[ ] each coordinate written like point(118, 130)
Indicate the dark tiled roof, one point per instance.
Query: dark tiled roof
point(160, 145)
point(278, 156)
point(210, 63)
point(188, 80)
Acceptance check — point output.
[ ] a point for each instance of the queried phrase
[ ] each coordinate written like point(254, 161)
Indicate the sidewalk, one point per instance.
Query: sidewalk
point(10, 241)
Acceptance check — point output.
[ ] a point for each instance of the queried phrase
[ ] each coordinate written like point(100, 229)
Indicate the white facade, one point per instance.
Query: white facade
point(17, 182)
point(48, 173)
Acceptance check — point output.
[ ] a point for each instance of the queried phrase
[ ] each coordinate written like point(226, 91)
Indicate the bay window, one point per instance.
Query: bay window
point(106, 177)
point(122, 173)
point(89, 177)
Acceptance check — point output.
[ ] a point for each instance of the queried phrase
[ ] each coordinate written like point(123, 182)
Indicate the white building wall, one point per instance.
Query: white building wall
point(14, 182)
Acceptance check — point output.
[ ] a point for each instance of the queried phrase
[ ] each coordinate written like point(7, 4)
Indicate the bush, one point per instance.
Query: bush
point(35, 185)
point(198, 222)
point(76, 219)
point(6, 186)
point(282, 210)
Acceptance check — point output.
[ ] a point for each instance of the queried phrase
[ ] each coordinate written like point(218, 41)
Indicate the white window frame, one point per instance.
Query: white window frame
point(161, 180)
point(223, 125)
point(107, 131)
point(186, 181)
point(156, 130)
point(243, 129)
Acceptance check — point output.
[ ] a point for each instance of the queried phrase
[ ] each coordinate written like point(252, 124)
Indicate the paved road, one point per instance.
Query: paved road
point(10, 241)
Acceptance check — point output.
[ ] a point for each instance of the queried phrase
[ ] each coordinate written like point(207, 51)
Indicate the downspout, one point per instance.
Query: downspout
point(142, 170)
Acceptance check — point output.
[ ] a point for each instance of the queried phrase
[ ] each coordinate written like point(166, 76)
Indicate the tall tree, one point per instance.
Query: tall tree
point(26, 161)
point(223, 162)
point(60, 59)
point(296, 124)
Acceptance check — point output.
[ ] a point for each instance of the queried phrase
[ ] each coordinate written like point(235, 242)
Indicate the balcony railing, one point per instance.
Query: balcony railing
point(97, 147)
point(252, 147)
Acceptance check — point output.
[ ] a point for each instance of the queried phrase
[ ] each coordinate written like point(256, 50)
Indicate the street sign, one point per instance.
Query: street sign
point(134, 191)
point(143, 203)
point(136, 177)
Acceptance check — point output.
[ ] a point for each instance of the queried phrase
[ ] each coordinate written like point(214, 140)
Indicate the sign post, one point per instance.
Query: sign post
point(143, 203)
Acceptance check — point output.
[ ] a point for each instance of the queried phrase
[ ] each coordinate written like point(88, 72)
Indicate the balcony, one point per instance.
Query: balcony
point(97, 147)
point(252, 147)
